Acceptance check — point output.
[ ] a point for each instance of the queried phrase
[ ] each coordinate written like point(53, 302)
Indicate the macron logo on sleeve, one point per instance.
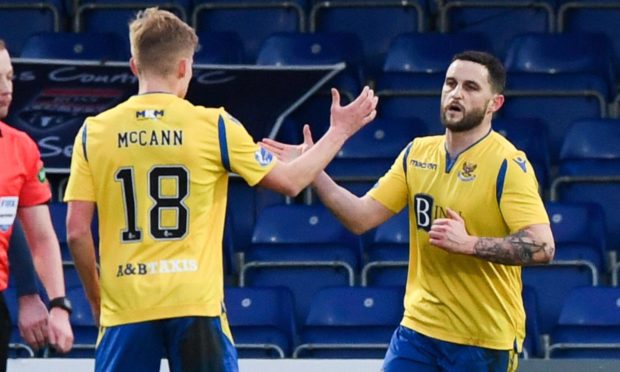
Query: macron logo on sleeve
point(522, 163)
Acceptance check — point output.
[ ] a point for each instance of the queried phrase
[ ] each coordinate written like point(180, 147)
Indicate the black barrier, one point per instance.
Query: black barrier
point(51, 99)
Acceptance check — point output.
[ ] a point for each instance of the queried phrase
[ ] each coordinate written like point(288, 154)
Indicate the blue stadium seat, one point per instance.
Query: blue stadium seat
point(414, 71)
point(290, 49)
point(418, 52)
point(519, 132)
point(388, 253)
point(591, 144)
point(552, 283)
point(71, 276)
point(531, 348)
point(254, 21)
point(557, 99)
point(491, 18)
point(219, 48)
point(302, 247)
point(579, 232)
point(376, 23)
point(113, 16)
point(600, 16)
point(262, 321)
point(589, 169)
point(20, 19)
point(244, 203)
point(589, 325)
point(351, 322)
point(571, 53)
point(407, 95)
point(58, 213)
point(82, 46)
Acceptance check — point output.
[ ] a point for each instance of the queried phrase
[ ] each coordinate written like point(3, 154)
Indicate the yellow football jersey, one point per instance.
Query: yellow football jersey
point(157, 168)
point(458, 298)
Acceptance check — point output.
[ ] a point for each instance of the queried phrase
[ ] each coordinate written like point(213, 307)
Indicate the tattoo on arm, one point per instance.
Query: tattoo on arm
point(516, 249)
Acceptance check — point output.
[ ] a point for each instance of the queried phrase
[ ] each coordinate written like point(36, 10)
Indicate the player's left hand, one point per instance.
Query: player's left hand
point(450, 234)
point(352, 117)
point(60, 333)
point(285, 152)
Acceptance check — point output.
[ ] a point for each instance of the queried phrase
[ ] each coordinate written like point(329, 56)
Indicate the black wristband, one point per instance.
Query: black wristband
point(61, 302)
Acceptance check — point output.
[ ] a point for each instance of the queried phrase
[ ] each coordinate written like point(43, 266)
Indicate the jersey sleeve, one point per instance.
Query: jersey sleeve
point(80, 185)
point(391, 189)
point(520, 202)
point(36, 189)
point(240, 154)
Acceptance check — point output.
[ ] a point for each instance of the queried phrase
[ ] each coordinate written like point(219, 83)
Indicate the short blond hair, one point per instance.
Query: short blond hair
point(159, 39)
point(2, 45)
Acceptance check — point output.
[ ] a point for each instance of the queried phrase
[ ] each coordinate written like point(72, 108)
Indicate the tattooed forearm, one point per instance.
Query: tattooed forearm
point(517, 249)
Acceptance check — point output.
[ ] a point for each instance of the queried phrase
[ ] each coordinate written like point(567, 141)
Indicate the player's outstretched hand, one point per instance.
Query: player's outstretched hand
point(350, 118)
point(285, 152)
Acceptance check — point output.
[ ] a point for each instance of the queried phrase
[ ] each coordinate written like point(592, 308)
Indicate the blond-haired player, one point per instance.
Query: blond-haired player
point(156, 168)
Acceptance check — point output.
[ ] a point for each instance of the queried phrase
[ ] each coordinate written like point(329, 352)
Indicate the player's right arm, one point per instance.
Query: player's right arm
point(81, 244)
point(80, 196)
point(358, 214)
point(290, 178)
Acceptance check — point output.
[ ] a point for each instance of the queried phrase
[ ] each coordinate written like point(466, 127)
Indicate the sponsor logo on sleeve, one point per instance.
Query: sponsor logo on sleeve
point(263, 156)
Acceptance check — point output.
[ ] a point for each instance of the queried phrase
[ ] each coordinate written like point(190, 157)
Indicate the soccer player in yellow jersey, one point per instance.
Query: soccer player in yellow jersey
point(156, 169)
point(475, 218)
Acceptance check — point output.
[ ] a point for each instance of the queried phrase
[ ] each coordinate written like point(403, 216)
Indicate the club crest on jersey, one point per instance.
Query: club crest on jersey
point(466, 174)
point(522, 163)
point(149, 114)
point(263, 157)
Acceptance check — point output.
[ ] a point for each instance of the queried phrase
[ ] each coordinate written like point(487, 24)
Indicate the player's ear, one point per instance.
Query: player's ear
point(133, 66)
point(183, 67)
point(496, 103)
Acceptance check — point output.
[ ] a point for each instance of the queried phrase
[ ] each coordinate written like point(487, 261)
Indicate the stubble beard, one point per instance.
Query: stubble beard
point(469, 121)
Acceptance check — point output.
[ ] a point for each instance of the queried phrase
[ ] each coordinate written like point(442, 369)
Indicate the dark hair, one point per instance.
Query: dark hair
point(497, 73)
point(2, 45)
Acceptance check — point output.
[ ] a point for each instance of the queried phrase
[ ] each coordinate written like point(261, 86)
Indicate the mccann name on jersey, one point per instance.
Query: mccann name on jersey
point(150, 138)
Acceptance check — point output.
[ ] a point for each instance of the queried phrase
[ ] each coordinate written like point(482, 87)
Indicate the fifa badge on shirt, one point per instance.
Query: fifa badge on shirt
point(466, 174)
point(8, 211)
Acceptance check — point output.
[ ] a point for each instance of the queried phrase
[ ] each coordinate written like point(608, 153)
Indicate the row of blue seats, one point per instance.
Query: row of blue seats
point(376, 23)
point(582, 53)
point(357, 322)
point(554, 87)
point(304, 278)
point(312, 234)
point(312, 251)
